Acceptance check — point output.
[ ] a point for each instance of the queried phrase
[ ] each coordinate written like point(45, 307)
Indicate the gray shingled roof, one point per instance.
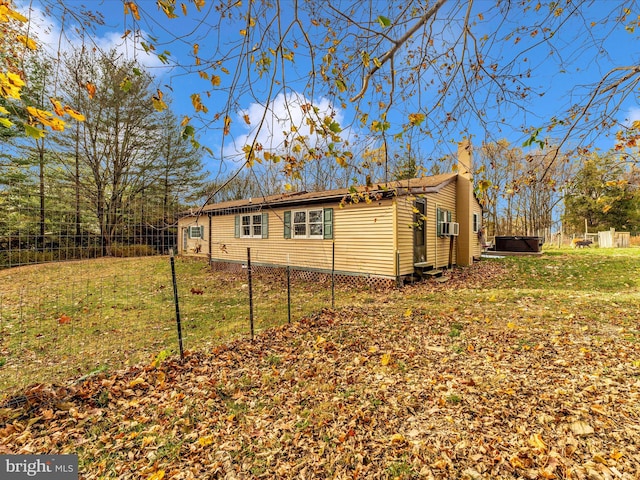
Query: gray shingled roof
point(425, 184)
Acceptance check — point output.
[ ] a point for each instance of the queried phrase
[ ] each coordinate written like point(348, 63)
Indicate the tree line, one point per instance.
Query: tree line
point(123, 174)
point(119, 177)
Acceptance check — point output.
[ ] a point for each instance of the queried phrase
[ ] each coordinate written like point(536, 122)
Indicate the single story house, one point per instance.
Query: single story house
point(386, 232)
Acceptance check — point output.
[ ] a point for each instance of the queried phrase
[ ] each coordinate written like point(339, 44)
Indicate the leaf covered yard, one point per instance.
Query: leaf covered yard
point(447, 380)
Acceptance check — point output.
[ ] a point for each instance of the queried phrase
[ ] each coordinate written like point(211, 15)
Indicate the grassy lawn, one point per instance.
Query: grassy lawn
point(513, 368)
point(63, 320)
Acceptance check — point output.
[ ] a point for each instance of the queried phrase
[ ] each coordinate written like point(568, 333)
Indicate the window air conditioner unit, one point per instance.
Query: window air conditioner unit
point(450, 229)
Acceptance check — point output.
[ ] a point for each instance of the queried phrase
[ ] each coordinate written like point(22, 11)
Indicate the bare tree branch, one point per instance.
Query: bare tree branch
point(397, 44)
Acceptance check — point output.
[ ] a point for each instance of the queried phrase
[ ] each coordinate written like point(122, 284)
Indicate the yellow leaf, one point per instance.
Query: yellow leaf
point(131, 7)
point(616, 455)
point(10, 85)
point(386, 359)
point(416, 118)
point(158, 104)
point(243, 33)
point(27, 42)
point(205, 441)
point(536, 441)
point(46, 118)
point(599, 459)
point(7, 13)
point(4, 110)
point(57, 107)
point(373, 349)
point(74, 114)
point(215, 80)
point(247, 120)
point(636, 363)
point(397, 438)
point(136, 382)
point(196, 48)
point(227, 124)
point(185, 121)
point(511, 325)
point(408, 313)
point(159, 475)
point(5, 122)
point(146, 441)
point(492, 298)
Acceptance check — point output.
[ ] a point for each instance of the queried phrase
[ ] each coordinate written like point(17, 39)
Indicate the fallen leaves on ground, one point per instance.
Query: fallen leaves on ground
point(364, 392)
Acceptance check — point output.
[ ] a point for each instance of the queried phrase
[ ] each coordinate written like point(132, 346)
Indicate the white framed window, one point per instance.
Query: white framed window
point(196, 231)
point(476, 223)
point(308, 223)
point(251, 226)
point(442, 218)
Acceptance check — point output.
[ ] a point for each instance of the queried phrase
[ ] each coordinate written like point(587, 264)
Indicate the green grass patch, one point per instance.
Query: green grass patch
point(66, 320)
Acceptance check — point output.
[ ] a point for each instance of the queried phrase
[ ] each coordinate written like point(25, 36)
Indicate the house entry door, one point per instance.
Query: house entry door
point(419, 231)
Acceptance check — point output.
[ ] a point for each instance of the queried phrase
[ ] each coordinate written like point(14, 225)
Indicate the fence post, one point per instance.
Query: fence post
point(250, 291)
point(175, 300)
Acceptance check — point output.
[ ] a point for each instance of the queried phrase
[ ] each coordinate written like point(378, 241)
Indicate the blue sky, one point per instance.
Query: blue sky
point(560, 77)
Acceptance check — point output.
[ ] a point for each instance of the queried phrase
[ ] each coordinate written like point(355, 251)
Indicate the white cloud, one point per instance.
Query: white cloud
point(271, 123)
point(56, 38)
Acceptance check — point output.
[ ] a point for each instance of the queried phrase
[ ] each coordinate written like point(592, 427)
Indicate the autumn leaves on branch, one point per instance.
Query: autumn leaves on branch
point(13, 108)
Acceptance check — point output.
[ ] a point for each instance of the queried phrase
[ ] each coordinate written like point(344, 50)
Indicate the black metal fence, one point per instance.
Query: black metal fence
point(66, 320)
point(58, 224)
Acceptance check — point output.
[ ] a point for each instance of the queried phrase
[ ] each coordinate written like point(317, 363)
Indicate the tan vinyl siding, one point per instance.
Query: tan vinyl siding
point(438, 248)
point(364, 238)
point(363, 234)
point(405, 233)
point(195, 246)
